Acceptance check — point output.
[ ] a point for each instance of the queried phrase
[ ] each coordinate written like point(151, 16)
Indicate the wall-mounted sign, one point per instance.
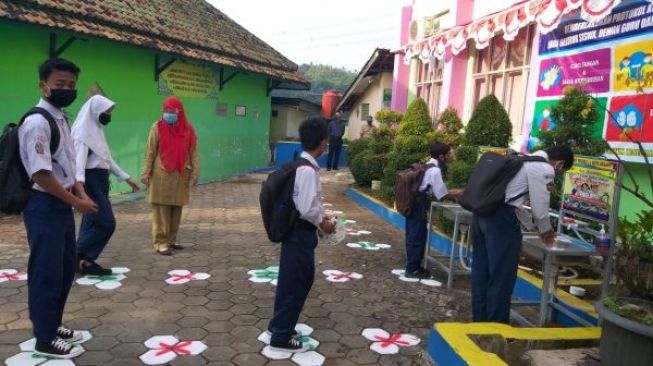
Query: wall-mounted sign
point(187, 80)
point(241, 111)
point(611, 59)
point(221, 109)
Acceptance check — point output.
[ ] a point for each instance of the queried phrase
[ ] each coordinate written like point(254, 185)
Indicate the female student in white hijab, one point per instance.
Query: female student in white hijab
point(93, 165)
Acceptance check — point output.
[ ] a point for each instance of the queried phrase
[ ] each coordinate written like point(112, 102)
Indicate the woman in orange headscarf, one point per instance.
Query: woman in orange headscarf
point(171, 166)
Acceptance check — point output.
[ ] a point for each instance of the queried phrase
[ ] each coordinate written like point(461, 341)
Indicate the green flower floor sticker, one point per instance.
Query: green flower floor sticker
point(269, 274)
point(368, 245)
point(109, 282)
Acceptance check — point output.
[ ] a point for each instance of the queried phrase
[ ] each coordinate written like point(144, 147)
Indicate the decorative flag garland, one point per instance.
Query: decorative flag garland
point(545, 13)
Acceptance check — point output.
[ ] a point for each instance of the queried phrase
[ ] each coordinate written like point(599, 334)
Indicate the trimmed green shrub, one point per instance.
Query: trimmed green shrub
point(489, 126)
point(356, 147)
point(459, 170)
point(387, 116)
point(370, 156)
point(467, 154)
point(410, 146)
point(448, 129)
point(417, 120)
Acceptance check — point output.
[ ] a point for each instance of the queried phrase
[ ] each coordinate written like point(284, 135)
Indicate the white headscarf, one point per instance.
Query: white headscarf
point(87, 128)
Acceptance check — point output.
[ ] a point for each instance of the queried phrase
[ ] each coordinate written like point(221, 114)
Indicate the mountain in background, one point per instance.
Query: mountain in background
point(325, 77)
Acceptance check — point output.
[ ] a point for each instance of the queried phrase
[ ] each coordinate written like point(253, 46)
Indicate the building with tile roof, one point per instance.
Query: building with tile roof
point(139, 52)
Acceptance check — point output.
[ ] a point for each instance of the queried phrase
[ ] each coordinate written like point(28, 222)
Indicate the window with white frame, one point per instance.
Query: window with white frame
point(429, 85)
point(365, 111)
point(502, 69)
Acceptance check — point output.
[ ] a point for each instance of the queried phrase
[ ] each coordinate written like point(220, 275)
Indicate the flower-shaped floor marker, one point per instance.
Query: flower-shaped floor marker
point(333, 212)
point(27, 357)
point(269, 274)
point(368, 245)
point(12, 275)
point(181, 276)
point(400, 273)
point(333, 275)
point(358, 232)
point(309, 358)
point(109, 282)
point(387, 344)
point(164, 349)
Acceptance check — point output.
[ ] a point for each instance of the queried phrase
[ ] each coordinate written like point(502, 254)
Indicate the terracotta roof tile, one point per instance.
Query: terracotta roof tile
point(189, 28)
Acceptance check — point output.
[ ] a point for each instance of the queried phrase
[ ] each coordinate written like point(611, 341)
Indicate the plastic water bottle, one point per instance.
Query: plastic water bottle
point(602, 242)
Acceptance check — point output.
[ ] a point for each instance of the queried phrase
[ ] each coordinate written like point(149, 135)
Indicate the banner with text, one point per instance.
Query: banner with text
point(610, 59)
point(187, 80)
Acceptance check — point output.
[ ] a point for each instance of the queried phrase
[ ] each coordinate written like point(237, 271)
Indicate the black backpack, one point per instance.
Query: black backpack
point(277, 206)
point(485, 191)
point(15, 184)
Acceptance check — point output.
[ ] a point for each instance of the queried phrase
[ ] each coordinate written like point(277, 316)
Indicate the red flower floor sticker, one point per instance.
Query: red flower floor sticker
point(333, 275)
point(164, 349)
point(12, 275)
point(387, 344)
point(181, 276)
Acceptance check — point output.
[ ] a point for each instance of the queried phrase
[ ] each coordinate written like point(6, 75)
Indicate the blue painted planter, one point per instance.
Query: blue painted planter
point(286, 151)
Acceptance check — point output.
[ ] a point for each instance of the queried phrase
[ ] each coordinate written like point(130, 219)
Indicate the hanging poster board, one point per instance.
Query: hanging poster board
point(590, 188)
point(611, 59)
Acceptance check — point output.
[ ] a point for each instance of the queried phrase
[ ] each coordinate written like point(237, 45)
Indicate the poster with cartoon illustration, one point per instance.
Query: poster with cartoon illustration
point(543, 121)
point(589, 187)
point(633, 66)
point(591, 69)
point(633, 119)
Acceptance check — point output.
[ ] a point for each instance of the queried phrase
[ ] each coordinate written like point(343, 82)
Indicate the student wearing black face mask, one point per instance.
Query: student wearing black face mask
point(48, 215)
point(93, 165)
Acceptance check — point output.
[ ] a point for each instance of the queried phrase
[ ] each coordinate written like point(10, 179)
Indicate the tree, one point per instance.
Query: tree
point(575, 118)
point(411, 145)
point(489, 126)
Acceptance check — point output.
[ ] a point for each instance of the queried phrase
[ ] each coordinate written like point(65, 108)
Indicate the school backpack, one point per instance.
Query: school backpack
point(15, 184)
point(485, 191)
point(407, 186)
point(276, 199)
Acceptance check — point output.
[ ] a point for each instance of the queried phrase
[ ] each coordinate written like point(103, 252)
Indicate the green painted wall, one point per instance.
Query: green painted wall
point(229, 145)
point(629, 204)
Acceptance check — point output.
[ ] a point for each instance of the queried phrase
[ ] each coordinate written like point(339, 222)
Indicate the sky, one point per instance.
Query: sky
point(341, 33)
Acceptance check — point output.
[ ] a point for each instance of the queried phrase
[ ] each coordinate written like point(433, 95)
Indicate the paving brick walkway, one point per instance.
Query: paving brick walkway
point(227, 312)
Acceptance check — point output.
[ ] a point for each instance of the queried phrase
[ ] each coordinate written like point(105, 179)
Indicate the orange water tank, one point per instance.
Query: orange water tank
point(330, 100)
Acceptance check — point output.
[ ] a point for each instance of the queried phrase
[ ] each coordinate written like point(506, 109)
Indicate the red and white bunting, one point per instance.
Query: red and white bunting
point(459, 39)
point(595, 10)
point(425, 52)
point(545, 13)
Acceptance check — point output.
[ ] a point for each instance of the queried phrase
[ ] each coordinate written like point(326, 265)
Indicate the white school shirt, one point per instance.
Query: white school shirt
point(85, 159)
point(34, 140)
point(433, 178)
point(536, 178)
point(307, 193)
